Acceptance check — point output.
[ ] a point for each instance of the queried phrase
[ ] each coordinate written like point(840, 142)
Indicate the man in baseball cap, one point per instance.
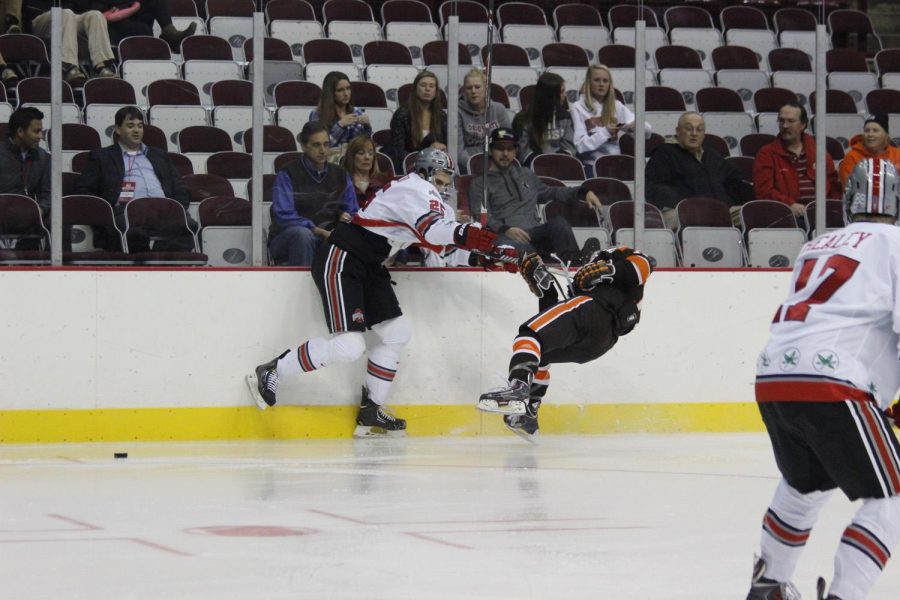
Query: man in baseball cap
point(513, 193)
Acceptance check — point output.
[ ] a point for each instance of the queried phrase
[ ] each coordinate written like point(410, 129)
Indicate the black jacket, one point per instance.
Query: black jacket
point(401, 137)
point(674, 174)
point(105, 172)
point(36, 168)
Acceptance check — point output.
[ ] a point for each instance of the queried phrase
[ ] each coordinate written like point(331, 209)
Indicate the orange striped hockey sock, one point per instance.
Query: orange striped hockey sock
point(525, 359)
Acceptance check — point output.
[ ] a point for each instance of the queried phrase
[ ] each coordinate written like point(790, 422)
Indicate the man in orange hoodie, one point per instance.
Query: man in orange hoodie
point(875, 142)
point(785, 169)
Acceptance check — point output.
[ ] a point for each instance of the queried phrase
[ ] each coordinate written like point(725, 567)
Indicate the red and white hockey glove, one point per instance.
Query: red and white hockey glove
point(893, 414)
point(473, 238)
point(482, 242)
point(508, 256)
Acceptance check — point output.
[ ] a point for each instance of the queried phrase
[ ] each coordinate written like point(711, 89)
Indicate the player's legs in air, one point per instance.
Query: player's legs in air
point(575, 330)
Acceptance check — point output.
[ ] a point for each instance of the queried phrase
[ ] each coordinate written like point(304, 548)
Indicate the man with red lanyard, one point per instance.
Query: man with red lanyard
point(129, 169)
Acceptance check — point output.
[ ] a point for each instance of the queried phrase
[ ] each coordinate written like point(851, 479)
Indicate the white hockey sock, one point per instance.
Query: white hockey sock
point(786, 527)
point(380, 372)
point(319, 352)
point(385, 357)
point(866, 547)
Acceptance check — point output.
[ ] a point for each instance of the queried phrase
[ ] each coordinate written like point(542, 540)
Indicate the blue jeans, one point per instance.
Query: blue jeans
point(553, 236)
point(294, 246)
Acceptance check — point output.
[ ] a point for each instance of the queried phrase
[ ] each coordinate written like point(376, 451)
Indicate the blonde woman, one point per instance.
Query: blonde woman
point(422, 123)
point(598, 118)
point(362, 167)
point(475, 122)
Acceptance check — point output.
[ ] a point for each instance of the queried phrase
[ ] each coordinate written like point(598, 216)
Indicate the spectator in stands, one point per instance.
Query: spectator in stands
point(545, 125)
point(513, 193)
point(686, 169)
point(77, 18)
point(875, 142)
point(785, 168)
point(8, 75)
point(422, 123)
point(309, 197)
point(336, 111)
point(598, 119)
point(474, 122)
point(24, 165)
point(362, 167)
point(129, 169)
point(11, 16)
point(141, 22)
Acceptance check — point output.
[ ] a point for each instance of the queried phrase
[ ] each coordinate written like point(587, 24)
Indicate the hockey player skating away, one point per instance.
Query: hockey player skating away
point(357, 292)
point(824, 380)
point(604, 305)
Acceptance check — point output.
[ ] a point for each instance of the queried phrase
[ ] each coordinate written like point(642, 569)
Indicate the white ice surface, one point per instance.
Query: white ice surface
point(626, 516)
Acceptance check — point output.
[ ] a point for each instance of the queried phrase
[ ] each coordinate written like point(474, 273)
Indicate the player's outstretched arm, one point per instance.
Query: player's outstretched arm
point(481, 241)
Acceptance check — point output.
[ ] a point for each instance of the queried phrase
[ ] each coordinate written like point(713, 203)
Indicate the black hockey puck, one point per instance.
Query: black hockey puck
point(120, 455)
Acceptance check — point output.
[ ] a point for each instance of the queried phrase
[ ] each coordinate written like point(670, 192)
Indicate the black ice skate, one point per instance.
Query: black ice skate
point(263, 382)
point(373, 421)
point(820, 591)
point(763, 588)
point(525, 426)
point(510, 400)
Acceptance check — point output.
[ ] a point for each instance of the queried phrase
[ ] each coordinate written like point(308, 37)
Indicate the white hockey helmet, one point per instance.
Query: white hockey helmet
point(873, 188)
point(431, 160)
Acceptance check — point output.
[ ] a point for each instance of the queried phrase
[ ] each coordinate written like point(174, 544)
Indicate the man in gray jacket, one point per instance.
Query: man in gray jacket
point(474, 121)
point(513, 193)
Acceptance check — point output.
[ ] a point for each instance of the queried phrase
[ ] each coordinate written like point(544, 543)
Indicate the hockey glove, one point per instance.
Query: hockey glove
point(473, 238)
point(893, 414)
point(535, 274)
point(588, 276)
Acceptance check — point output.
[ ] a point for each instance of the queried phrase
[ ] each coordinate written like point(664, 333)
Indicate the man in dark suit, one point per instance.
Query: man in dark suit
point(129, 169)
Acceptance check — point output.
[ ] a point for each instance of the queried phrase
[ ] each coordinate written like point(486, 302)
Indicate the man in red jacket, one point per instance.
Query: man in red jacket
point(785, 169)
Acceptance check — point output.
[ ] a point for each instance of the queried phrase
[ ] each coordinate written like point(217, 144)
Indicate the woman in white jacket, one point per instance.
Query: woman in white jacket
point(598, 119)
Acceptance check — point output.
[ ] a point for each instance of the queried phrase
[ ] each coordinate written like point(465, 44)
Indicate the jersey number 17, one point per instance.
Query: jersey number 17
point(842, 268)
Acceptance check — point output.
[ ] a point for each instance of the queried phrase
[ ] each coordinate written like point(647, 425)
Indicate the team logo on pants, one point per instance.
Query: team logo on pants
point(825, 360)
point(358, 316)
point(790, 359)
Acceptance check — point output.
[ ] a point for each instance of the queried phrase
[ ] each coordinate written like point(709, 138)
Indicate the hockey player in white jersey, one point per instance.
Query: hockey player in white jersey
point(357, 292)
point(824, 386)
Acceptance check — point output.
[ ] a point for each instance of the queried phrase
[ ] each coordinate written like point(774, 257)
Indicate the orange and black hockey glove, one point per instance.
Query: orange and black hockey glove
point(529, 267)
point(588, 276)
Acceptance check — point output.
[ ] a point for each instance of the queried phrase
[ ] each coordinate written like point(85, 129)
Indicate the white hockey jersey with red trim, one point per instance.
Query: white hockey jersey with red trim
point(408, 211)
point(842, 317)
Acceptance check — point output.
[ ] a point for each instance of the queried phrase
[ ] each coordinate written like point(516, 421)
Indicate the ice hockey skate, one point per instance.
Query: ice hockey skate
point(511, 400)
point(525, 426)
point(762, 588)
point(820, 591)
point(373, 421)
point(263, 383)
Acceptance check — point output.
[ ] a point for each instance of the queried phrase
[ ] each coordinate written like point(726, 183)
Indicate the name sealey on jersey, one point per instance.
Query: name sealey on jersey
point(837, 332)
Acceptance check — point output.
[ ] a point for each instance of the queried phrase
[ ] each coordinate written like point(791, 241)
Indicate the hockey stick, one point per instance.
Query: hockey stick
point(487, 113)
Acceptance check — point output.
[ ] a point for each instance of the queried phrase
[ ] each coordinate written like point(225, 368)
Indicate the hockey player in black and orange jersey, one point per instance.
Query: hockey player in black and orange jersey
point(604, 305)
point(357, 291)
